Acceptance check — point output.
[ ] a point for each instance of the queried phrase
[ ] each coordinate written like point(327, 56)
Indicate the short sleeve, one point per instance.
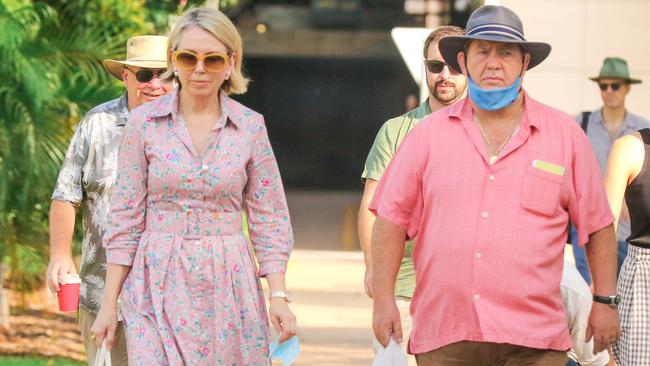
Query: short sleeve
point(399, 196)
point(589, 209)
point(69, 184)
point(380, 155)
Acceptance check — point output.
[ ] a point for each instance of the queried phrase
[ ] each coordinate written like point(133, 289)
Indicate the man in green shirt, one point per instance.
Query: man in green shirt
point(445, 88)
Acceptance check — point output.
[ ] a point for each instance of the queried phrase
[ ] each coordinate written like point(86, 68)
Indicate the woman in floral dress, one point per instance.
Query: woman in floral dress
point(189, 164)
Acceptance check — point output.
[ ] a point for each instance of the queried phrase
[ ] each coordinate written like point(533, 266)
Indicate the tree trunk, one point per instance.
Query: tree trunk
point(4, 302)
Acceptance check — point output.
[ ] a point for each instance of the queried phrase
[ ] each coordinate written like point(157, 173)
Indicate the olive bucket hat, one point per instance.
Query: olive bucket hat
point(493, 23)
point(615, 68)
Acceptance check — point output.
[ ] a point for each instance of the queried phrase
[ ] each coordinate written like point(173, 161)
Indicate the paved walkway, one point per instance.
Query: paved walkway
point(333, 312)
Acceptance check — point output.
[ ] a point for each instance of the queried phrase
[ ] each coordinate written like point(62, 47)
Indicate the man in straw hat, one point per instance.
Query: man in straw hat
point(487, 186)
point(611, 121)
point(87, 177)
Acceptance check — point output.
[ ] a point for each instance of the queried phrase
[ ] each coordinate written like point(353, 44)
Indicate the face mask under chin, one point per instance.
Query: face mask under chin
point(493, 99)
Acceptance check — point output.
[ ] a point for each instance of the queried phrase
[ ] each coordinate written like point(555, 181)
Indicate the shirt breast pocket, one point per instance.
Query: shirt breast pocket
point(541, 191)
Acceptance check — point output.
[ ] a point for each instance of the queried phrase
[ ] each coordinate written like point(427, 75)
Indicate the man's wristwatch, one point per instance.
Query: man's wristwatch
point(282, 294)
point(612, 300)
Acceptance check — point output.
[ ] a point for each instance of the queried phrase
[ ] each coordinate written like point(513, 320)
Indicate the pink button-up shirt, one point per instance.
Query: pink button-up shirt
point(490, 238)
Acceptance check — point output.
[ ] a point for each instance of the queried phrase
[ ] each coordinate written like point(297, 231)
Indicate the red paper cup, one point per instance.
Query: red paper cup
point(69, 294)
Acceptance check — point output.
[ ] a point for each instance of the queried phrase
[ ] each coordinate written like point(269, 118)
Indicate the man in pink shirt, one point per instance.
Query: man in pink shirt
point(488, 186)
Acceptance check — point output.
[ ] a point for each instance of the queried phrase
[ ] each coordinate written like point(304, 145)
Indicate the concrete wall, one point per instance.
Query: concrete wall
point(582, 33)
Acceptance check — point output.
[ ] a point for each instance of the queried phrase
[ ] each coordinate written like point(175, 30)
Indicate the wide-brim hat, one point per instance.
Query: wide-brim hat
point(615, 68)
point(141, 51)
point(492, 23)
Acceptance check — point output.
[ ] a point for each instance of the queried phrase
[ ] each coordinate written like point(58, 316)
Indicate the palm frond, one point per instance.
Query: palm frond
point(85, 94)
point(51, 73)
point(14, 110)
point(77, 53)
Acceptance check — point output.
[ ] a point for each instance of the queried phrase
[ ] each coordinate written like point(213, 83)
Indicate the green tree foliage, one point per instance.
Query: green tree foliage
point(113, 18)
point(160, 12)
point(51, 74)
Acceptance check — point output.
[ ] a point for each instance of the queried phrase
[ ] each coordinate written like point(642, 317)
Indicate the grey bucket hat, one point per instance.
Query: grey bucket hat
point(492, 23)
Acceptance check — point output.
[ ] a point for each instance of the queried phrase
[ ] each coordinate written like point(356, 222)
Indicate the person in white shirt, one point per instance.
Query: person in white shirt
point(577, 298)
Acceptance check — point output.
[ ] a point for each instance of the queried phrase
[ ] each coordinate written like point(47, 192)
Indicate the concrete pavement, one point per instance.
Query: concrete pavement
point(334, 314)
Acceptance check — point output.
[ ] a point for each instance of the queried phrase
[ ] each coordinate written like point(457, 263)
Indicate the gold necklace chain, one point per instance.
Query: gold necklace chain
point(493, 152)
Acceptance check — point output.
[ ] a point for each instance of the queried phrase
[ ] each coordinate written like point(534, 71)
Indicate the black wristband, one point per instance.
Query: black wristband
point(611, 300)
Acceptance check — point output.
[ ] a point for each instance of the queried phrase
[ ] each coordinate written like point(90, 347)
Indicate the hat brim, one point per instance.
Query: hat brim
point(451, 45)
point(628, 80)
point(115, 66)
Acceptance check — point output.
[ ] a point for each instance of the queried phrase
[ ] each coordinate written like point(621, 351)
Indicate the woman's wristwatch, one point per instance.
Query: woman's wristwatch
point(282, 294)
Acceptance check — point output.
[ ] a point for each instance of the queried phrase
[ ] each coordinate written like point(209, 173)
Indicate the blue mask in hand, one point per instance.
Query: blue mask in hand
point(493, 99)
point(286, 352)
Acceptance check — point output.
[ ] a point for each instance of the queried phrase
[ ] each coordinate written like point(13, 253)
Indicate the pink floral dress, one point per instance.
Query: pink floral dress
point(193, 295)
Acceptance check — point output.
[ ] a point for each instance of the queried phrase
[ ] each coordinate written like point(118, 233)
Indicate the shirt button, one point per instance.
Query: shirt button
point(484, 214)
point(204, 167)
point(477, 297)
point(478, 255)
point(491, 178)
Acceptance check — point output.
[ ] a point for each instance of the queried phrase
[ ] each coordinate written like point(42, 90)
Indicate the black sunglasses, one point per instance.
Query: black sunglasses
point(145, 75)
point(436, 67)
point(604, 86)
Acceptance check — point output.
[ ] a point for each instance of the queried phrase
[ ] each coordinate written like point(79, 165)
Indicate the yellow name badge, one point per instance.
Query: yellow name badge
point(548, 167)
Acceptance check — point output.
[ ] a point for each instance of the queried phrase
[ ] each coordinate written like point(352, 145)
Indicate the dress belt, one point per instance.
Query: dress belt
point(195, 222)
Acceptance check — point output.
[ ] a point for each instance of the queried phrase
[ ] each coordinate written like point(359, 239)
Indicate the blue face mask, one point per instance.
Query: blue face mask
point(493, 99)
point(286, 352)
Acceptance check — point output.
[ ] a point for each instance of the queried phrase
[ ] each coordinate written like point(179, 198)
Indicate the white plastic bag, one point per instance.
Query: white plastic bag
point(103, 357)
point(392, 355)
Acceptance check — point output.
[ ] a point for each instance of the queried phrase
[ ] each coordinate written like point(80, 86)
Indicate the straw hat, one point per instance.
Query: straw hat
point(141, 51)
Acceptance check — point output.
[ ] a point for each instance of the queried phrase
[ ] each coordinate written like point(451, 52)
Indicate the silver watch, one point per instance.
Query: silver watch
point(282, 294)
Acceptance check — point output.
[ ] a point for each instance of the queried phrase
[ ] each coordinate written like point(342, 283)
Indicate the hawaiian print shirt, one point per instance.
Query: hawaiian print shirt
point(86, 177)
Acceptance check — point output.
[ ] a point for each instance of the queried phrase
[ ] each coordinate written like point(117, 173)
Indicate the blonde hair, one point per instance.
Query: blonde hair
point(216, 23)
